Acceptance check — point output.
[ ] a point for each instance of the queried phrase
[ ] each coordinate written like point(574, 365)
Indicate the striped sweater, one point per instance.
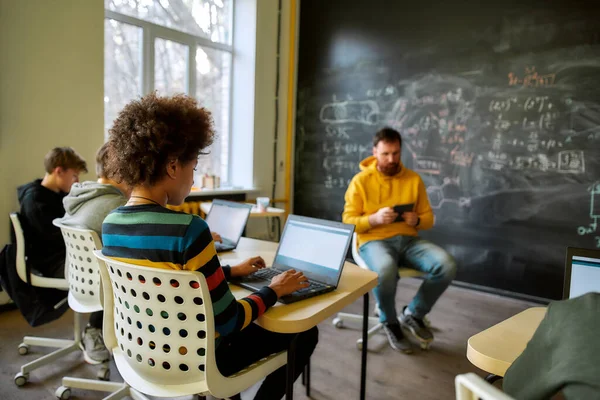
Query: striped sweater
point(154, 236)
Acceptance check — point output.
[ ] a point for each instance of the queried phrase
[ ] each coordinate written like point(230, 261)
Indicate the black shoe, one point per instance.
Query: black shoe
point(396, 338)
point(416, 326)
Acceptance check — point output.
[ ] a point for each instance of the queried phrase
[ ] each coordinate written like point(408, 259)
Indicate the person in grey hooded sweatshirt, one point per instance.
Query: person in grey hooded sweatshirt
point(86, 206)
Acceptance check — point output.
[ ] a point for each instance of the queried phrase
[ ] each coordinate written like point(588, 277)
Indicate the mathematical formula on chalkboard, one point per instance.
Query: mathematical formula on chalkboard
point(467, 141)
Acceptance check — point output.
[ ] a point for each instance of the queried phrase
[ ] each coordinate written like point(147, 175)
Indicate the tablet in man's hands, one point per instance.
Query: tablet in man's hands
point(402, 209)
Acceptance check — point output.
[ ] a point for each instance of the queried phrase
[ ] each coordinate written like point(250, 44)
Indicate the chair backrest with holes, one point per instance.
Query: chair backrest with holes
point(83, 273)
point(162, 321)
point(38, 281)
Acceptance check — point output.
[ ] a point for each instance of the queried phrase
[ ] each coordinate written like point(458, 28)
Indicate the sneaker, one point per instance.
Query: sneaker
point(377, 311)
point(92, 344)
point(396, 338)
point(416, 326)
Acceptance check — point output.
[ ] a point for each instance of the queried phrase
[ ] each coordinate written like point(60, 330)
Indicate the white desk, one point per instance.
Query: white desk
point(303, 315)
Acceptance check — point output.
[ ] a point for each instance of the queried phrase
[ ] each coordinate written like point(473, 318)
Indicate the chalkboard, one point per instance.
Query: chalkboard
point(499, 111)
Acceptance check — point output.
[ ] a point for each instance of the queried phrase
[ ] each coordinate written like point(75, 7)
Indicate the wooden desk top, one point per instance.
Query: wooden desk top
point(270, 212)
point(495, 349)
point(304, 314)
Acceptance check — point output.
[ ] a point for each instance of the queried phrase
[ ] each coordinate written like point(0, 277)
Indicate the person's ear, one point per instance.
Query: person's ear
point(374, 151)
point(172, 169)
point(58, 171)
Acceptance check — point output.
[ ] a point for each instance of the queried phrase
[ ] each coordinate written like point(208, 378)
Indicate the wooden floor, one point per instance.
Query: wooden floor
point(459, 314)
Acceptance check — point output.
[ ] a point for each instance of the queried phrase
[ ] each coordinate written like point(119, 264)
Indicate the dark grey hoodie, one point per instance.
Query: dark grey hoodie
point(89, 203)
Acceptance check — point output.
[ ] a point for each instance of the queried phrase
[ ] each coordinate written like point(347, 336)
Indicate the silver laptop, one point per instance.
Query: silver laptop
point(228, 219)
point(314, 246)
point(582, 272)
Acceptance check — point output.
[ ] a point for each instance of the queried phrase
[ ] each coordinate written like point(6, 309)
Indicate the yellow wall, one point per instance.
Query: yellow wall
point(51, 88)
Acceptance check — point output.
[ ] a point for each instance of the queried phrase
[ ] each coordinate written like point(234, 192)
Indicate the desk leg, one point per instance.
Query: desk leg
point(278, 229)
point(291, 361)
point(306, 379)
point(491, 378)
point(365, 345)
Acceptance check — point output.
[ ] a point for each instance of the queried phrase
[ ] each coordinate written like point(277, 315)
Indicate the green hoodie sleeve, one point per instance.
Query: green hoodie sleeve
point(423, 208)
point(354, 212)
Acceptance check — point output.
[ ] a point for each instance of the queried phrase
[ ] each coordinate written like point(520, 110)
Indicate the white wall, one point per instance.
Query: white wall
point(51, 88)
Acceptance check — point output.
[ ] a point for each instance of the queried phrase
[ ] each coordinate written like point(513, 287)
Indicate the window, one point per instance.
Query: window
point(172, 46)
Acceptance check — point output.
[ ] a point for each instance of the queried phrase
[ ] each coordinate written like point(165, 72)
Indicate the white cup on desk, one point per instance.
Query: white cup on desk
point(262, 203)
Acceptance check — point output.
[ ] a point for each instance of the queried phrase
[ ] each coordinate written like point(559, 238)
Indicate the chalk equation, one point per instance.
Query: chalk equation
point(530, 103)
point(345, 148)
point(592, 227)
point(564, 162)
point(339, 164)
point(336, 182)
point(531, 78)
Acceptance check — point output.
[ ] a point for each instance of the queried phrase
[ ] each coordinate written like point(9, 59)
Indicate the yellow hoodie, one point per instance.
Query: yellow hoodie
point(371, 190)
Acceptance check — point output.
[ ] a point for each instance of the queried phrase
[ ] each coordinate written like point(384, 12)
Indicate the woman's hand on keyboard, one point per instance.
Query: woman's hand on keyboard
point(288, 282)
point(248, 267)
point(216, 237)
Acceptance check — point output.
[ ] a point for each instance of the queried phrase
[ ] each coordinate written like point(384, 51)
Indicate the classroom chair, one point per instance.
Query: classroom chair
point(159, 325)
point(83, 276)
point(64, 346)
point(339, 320)
point(472, 387)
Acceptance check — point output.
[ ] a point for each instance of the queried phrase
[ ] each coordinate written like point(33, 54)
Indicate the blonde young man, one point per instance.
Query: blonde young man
point(389, 239)
point(41, 202)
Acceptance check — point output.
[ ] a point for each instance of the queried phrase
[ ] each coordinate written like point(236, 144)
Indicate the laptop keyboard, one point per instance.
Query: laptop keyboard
point(266, 273)
point(269, 273)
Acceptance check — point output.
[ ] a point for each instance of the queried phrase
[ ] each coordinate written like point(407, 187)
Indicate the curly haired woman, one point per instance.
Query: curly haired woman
point(154, 146)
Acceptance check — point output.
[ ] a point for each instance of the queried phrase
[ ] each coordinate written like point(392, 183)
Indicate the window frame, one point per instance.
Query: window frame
point(151, 31)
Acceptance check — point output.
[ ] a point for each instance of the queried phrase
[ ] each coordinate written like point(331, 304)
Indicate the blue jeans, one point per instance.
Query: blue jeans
point(386, 256)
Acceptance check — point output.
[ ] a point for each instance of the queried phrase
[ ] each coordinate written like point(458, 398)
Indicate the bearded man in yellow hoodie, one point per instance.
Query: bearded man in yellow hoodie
point(388, 239)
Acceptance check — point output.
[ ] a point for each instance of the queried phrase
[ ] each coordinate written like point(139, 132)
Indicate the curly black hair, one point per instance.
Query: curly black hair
point(153, 130)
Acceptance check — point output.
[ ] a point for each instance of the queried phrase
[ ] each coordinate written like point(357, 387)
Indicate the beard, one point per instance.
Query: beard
point(389, 169)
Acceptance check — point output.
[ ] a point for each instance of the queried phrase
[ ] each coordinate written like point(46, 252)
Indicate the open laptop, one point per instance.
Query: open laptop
point(582, 272)
point(314, 246)
point(228, 219)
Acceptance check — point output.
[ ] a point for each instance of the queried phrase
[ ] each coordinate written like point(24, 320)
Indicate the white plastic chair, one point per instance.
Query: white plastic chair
point(64, 346)
point(472, 387)
point(83, 274)
point(339, 320)
point(159, 325)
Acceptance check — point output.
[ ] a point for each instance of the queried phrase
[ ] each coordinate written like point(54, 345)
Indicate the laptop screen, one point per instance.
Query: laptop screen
point(315, 247)
point(582, 272)
point(228, 219)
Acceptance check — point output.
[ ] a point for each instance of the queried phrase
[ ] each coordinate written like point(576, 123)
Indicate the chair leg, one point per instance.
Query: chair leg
point(49, 358)
point(117, 390)
point(135, 395)
point(64, 347)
